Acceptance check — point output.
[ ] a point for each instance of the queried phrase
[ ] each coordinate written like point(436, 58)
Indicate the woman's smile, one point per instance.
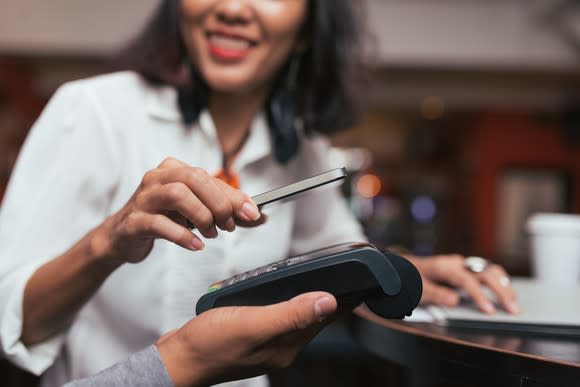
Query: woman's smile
point(229, 46)
point(239, 46)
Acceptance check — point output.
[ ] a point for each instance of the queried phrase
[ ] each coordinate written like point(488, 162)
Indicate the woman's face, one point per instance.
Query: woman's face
point(239, 45)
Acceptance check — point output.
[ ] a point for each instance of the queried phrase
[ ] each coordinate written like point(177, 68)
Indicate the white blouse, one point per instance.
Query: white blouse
point(82, 161)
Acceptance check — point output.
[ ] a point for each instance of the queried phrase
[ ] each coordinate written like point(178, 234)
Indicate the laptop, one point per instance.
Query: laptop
point(549, 310)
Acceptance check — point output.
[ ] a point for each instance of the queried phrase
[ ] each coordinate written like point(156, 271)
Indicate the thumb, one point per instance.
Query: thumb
point(298, 313)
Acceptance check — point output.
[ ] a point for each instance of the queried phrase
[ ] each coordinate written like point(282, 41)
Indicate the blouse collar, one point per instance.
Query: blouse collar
point(162, 104)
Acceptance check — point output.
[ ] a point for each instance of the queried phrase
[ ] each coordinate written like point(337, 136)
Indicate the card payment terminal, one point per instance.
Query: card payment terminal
point(353, 272)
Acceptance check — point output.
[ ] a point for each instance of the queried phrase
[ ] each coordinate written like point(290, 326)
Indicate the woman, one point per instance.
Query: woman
point(97, 256)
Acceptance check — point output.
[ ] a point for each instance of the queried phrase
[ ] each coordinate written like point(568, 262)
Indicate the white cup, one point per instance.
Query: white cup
point(555, 248)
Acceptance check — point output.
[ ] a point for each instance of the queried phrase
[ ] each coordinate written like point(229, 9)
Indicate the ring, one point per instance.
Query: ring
point(505, 281)
point(475, 264)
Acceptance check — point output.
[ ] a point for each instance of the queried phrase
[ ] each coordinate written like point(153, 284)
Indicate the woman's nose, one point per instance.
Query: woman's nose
point(234, 11)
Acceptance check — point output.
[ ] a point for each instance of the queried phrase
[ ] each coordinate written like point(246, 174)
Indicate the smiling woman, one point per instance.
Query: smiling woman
point(292, 59)
point(220, 90)
point(214, 92)
point(238, 48)
point(325, 44)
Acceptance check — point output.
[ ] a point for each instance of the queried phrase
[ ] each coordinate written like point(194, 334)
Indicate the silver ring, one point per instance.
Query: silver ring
point(475, 264)
point(505, 281)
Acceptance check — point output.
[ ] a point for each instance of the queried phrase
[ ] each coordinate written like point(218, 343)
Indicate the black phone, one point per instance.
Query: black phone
point(291, 190)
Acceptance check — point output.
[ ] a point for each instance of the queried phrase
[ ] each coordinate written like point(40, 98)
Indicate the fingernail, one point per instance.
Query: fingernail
point(323, 307)
point(230, 225)
point(452, 301)
point(487, 307)
point(213, 233)
point(513, 307)
point(197, 245)
point(250, 211)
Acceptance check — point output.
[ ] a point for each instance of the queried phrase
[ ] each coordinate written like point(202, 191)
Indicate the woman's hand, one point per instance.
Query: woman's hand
point(444, 275)
point(169, 198)
point(239, 342)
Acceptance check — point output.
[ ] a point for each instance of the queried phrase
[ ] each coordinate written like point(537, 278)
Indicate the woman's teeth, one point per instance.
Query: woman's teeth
point(229, 43)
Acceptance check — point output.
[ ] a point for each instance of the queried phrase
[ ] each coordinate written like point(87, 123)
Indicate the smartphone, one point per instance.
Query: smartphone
point(289, 191)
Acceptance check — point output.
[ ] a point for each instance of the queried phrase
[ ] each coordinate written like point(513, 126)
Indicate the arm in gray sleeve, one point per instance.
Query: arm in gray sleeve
point(144, 369)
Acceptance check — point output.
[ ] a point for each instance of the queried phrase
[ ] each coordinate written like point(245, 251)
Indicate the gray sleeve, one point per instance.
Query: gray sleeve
point(144, 369)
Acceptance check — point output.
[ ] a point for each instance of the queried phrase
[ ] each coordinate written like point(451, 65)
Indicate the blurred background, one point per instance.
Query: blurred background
point(472, 118)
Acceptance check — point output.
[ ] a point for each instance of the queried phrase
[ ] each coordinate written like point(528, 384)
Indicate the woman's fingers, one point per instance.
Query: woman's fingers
point(160, 226)
point(263, 219)
point(438, 294)
point(170, 163)
point(205, 188)
point(466, 281)
point(224, 202)
point(244, 207)
point(202, 185)
point(178, 197)
point(185, 195)
point(497, 280)
point(449, 269)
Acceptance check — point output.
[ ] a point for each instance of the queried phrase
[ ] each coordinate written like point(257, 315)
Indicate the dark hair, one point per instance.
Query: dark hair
point(326, 99)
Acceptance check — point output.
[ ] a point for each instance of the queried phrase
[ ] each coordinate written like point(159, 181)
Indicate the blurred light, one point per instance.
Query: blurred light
point(423, 209)
point(387, 207)
point(368, 186)
point(432, 108)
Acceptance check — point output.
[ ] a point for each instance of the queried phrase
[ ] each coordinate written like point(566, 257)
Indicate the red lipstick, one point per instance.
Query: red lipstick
point(227, 53)
point(228, 46)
